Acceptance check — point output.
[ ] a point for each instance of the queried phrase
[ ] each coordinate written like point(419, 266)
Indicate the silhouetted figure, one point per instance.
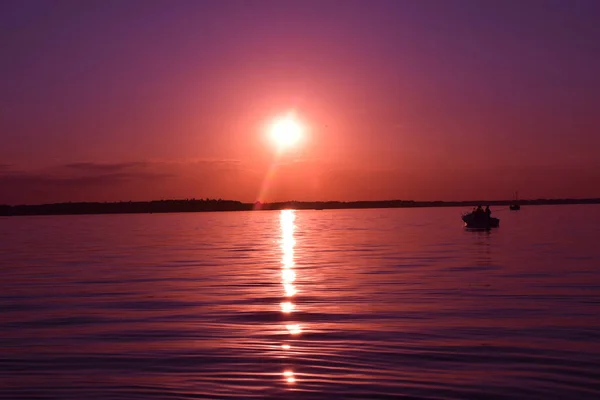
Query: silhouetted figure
point(488, 212)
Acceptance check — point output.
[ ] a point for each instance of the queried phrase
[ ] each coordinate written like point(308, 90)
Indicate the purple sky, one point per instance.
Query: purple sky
point(138, 100)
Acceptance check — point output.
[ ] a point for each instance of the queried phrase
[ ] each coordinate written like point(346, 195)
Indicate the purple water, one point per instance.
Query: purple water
point(308, 304)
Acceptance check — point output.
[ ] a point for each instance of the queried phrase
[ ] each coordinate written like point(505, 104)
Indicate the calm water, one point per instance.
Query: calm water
point(308, 304)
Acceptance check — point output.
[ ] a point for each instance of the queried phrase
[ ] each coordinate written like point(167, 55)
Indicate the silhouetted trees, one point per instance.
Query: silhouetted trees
point(156, 206)
point(205, 205)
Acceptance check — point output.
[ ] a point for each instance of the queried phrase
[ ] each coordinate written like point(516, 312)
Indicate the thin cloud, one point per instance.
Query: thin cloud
point(96, 179)
point(138, 180)
point(223, 164)
point(103, 167)
point(300, 180)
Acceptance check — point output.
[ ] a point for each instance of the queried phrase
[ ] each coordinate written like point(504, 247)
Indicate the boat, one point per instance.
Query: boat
point(480, 221)
point(515, 206)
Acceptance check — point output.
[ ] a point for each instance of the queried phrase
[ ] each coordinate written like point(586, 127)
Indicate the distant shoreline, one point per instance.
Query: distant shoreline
point(210, 205)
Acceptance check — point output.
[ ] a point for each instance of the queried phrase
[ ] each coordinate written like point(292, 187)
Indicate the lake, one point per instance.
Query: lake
point(371, 304)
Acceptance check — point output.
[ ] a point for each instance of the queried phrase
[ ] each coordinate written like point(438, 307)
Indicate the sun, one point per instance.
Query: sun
point(286, 132)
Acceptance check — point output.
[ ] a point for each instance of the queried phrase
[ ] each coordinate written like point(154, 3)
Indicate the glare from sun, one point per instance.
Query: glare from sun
point(286, 132)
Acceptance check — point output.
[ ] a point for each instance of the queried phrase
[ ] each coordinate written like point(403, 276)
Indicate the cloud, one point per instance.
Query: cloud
point(139, 180)
point(212, 164)
point(294, 180)
point(74, 182)
point(103, 167)
point(223, 164)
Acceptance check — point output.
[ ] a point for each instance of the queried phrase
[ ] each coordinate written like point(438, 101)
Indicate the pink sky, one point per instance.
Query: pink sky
point(402, 101)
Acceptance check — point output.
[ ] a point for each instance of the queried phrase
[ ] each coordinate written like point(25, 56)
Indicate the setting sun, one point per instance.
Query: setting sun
point(286, 132)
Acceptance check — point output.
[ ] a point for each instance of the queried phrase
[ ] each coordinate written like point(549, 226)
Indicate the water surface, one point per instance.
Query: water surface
point(301, 304)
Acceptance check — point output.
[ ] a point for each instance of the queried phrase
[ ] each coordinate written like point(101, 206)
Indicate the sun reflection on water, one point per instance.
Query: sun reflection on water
point(288, 276)
point(293, 329)
point(289, 376)
point(287, 218)
point(290, 290)
point(287, 307)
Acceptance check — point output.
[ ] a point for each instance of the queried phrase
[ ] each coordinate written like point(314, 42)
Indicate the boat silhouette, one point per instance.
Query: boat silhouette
point(515, 206)
point(478, 219)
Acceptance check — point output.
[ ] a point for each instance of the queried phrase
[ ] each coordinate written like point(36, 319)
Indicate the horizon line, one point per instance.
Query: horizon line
point(207, 199)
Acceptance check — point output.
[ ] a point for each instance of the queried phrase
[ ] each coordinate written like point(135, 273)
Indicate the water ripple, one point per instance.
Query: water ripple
point(357, 304)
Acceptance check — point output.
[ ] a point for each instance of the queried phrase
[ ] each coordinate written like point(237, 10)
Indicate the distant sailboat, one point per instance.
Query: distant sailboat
point(515, 206)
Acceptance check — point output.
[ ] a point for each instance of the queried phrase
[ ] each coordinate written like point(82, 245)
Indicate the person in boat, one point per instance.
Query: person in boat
point(488, 212)
point(479, 210)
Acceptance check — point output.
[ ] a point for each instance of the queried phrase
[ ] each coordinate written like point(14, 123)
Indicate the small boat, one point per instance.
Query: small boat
point(480, 221)
point(515, 206)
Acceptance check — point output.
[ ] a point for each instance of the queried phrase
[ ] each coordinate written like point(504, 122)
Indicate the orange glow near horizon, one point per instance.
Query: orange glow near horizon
point(285, 133)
